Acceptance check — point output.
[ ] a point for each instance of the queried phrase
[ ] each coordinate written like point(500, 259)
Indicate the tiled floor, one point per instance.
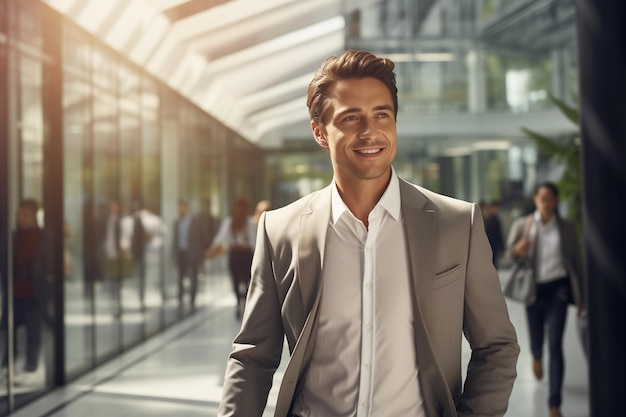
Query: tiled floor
point(180, 372)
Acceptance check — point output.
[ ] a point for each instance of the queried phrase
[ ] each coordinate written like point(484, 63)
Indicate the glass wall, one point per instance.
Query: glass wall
point(77, 184)
point(130, 149)
point(123, 131)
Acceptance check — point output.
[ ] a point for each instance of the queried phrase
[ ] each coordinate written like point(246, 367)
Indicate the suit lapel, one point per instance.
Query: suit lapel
point(421, 230)
point(311, 240)
point(420, 225)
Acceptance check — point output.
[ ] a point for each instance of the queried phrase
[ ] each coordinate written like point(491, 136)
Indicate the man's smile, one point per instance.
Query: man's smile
point(369, 151)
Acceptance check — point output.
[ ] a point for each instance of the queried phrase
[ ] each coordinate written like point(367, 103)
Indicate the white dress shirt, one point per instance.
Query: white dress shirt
point(550, 257)
point(364, 361)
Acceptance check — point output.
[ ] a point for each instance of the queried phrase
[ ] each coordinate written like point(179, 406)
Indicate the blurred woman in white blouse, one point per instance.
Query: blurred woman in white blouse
point(552, 245)
point(236, 236)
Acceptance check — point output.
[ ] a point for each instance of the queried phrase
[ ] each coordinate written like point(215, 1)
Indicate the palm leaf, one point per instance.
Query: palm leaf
point(545, 144)
point(567, 110)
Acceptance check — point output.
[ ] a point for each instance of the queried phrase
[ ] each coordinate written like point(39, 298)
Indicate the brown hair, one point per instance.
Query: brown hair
point(242, 209)
point(29, 204)
point(350, 64)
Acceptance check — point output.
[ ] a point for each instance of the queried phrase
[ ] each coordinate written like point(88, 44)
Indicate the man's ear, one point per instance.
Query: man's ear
point(318, 134)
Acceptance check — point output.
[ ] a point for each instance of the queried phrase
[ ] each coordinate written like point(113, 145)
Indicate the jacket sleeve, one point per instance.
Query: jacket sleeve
point(257, 349)
point(515, 234)
point(491, 370)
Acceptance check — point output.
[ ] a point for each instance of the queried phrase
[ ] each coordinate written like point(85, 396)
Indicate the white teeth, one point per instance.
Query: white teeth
point(370, 151)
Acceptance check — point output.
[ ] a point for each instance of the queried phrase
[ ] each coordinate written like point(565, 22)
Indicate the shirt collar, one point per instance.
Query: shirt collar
point(390, 200)
point(550, 223)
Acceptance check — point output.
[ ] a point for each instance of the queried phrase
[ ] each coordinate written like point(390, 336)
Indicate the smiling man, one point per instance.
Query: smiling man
point(372, 280)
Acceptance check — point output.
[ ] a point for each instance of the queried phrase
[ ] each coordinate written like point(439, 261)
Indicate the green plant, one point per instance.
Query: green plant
point(567, 150)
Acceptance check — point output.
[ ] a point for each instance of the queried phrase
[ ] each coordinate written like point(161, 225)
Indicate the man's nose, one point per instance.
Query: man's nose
point(366, 130)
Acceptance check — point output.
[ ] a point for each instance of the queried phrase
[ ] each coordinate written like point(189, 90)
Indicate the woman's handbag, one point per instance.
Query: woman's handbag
point(522, 286)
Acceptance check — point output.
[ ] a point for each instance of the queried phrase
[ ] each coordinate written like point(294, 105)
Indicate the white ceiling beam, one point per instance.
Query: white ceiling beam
point(282, 22)
point(222, 16)
point(240, 82)
point(314, 36)
point(163, 5)
point(62, 6)
point(154, 35)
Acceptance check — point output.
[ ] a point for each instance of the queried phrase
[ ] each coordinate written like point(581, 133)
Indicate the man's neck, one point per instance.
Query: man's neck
point(362, 196)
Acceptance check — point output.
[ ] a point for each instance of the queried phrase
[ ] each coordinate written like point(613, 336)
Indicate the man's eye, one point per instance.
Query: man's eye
point(382, 115)
point(350, 118)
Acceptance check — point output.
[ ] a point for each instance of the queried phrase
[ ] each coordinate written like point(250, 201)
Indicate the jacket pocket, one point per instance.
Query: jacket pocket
point(447, 276)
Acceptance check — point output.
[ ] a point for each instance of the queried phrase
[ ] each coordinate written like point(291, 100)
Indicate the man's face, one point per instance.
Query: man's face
point(359, 130)
point(26, 218)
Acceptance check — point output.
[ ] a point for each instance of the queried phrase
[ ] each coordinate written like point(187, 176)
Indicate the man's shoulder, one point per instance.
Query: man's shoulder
point(303, 204)
point(431, 199)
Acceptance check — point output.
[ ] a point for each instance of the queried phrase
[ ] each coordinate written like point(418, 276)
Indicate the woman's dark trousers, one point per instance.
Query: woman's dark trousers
point(550, 311)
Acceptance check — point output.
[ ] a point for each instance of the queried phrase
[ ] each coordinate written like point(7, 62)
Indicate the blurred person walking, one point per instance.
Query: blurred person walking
point(236, 236)
point(209, 224)
point(114, 260)
point(552, 246)
point(32, 286)
point(139, 240)
point(188, 250)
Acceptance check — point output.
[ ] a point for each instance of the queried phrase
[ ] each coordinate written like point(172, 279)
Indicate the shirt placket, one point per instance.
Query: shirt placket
point(367, 319)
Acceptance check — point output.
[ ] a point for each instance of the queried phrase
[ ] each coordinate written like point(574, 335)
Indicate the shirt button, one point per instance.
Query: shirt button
point(367, 366)
point(368, 326)
point(368, 285)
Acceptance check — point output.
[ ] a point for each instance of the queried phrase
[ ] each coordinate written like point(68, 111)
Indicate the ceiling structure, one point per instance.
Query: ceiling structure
point(533, 26)
point(248, 62)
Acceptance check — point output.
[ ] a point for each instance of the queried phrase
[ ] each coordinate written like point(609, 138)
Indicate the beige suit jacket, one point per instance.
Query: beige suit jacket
point(456, 290)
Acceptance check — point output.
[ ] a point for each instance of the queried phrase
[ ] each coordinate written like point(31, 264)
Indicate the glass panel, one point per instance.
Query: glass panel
point(29, 258)
point(76, 176)
point(210, 199)
point(140, 235)
point(517, 83)
point(31, 127)
point(151, 189)
point(171, 148)
point(30, 365)
point(188, 189)
point(105, 279)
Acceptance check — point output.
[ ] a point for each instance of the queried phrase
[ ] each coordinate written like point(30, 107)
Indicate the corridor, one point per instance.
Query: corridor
point(180, 371)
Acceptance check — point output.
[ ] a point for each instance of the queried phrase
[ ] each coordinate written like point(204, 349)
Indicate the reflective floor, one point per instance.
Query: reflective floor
point(180, 372)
